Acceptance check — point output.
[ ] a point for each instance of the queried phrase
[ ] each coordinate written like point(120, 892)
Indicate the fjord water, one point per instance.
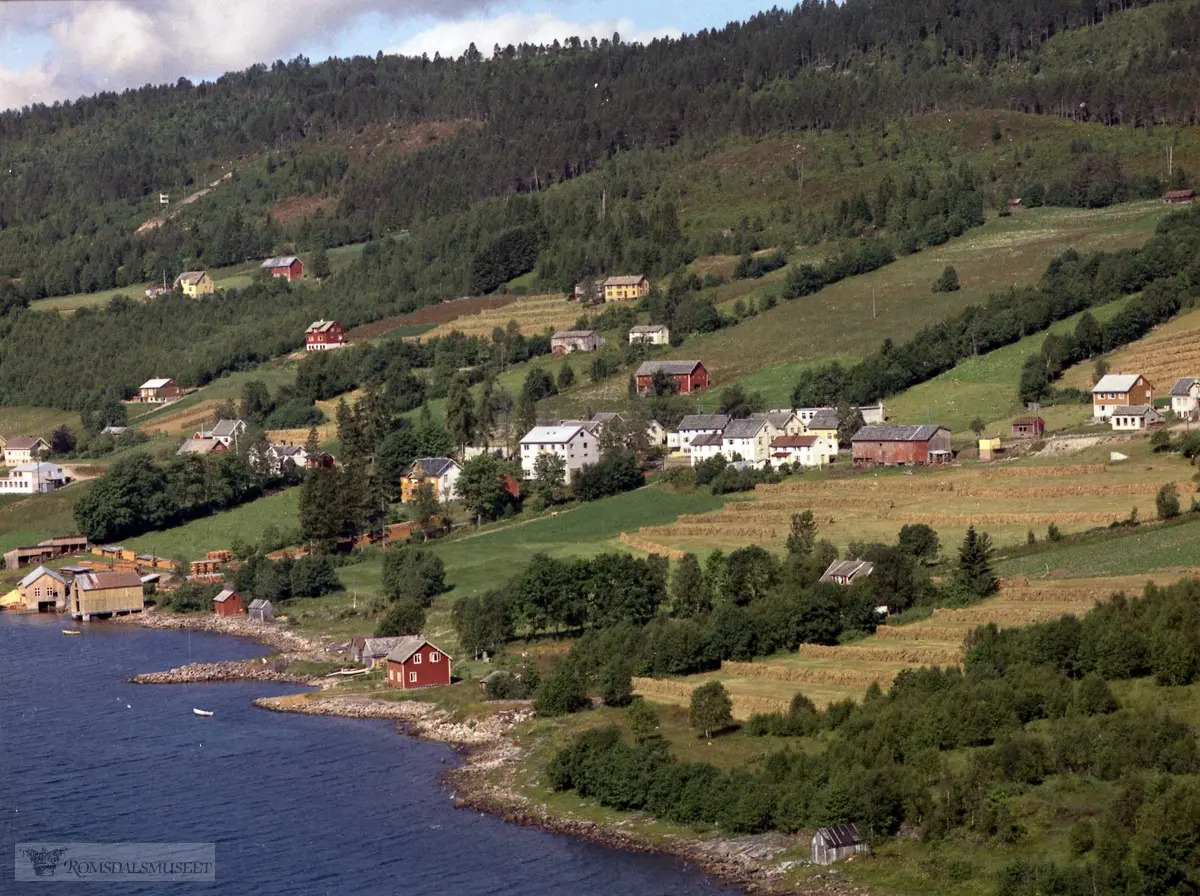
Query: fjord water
point(302, 805)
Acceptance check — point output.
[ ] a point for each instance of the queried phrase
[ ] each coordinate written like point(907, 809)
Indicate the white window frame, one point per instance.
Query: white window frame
point(416, 659)
point(412, 677)
point(434, 656)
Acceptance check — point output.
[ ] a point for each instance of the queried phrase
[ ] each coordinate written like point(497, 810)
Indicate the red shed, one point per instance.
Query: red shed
point(288, 267)
point(1028, 428)
point(228, 603)
point(324, 334)
point(690, 376)
point(415, 663)
point(926, 444)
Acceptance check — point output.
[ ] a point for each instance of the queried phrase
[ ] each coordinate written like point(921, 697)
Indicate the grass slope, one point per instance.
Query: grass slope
point(216, 532)
point(28, 519)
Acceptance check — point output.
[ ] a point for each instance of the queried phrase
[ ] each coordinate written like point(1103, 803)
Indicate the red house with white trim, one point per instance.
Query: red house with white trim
point(324, 334)
point(289, 267)
point(228, 603)
point(415, 663)
point(689, 376)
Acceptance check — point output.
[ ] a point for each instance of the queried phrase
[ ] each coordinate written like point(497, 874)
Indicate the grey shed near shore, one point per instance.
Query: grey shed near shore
point(832, 844)
point(261, 611)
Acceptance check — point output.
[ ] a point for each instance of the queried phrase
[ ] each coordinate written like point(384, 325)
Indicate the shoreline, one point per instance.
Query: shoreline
point(484, 745)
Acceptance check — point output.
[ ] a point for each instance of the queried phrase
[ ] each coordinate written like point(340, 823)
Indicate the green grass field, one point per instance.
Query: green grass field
point(1142, 550)
point(217, 532)
point(28, 519)
point(32, 421)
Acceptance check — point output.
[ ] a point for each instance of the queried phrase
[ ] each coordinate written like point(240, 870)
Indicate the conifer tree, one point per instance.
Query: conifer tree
point(689, 590)
point(975, 563)
point(460, 413)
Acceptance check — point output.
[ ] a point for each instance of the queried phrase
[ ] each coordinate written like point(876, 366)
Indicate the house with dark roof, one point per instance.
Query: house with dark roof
point(689, 376)
point(440, 472)
point(705, 446)
point(261, 610)
point(1028, 428)
point(374, 650)
point(224, 431)
point(890, 445)
point(625, 288)
point(844, 572)
point(22, 449)
point(693, 425)
point(201, 447)
point(415, 663)
point(567, 342)
point(1179, 197)
point(803, 451)
point(1135, 418)
point(289, 267)
point(1115, 390)
point(786, 422)
point(649, 334)
point(748, 438)
point(195, 283)
point(158, 391)
point(837, 842)
point(1185, 397)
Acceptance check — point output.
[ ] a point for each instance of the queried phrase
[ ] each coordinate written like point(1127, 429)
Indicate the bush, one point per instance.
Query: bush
point(1081, 837)
point(711, 709)
point(1166, 502)
point(947, 282)
point(406, 616)
point(562, 693)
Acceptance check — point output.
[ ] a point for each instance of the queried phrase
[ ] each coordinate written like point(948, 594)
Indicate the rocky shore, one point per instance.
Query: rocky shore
point(199, 673)
point(269, 634)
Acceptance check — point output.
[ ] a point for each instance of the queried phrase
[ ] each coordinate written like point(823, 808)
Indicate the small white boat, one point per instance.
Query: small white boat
point(71, 631)
point(201, 712)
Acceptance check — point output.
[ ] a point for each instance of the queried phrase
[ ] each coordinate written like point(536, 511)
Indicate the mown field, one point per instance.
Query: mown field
point(1166, 353)
point(28, 519)
point(1006, 499)
point(217, 532)
point(533, 314)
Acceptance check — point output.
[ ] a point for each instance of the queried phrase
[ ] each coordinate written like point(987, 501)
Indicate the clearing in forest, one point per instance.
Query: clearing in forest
point(533, 315)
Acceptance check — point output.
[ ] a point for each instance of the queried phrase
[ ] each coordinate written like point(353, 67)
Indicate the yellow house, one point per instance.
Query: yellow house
point(824, 424)
point(105, 594)
point(195, 283)
point(623, 289)
point(988, 446)
point(440, 472)
point(43, 589)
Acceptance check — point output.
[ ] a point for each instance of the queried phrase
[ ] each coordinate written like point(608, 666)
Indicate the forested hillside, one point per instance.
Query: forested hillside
point(81, 177)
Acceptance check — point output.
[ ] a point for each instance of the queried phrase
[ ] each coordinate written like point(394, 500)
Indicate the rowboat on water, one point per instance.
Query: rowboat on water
point(201, 712)
point(70, 631)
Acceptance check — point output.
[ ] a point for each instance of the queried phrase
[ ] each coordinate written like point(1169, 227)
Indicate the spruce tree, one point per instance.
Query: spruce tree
point(689, 590)
point(975, 563)
point(320, 264)
point(460, 413)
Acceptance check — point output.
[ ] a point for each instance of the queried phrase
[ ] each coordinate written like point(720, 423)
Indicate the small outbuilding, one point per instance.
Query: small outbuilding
point(44, 590)
point(261, 610)
point(837, 842)
point(846, 572)
point(1179, 197)
point(689, 376)
point(1135, 418)
point(1028, 428)
point(227, 603)
point(288, 267)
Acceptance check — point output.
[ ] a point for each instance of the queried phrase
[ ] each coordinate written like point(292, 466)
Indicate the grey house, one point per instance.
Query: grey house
point(261, 611)
point(838, 842)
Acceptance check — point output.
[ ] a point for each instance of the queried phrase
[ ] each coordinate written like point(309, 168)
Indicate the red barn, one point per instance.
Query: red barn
point(925, 444)
point(289, 267)
point(415, 663)
point(324, 334)
point(690, 376)
point(228, 603)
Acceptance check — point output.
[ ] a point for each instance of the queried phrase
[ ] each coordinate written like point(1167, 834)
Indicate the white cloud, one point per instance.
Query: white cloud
point(36, 84)
point(453, 38)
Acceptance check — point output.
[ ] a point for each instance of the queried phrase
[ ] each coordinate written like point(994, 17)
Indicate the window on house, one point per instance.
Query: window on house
point(37, 592)
point(434, 657)
point(412, 676)
point(416, 658)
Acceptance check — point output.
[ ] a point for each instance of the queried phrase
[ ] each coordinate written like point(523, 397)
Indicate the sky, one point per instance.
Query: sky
point(62, 49)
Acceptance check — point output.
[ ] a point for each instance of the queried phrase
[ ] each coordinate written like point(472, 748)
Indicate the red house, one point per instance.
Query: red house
point(690, 376)
point(289, 267)
point(888, 445)
point(415, 663)
point(228, 603)
point(324, 334)
point(1028, 428)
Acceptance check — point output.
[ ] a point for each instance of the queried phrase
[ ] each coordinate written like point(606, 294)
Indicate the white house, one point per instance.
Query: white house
point(786, 422)
point(750, 437)
point(649, 334)
point(1120, 390)
point(21, 450)
point(33, 479)
point(704, 446)
point(1132, 419)
point(871, 413)
point(844, 572)
point(224, 431)
point(573, 443)
point(804, 451)
point(1185, 397)
point(440, 472)
point(566, 342)
point(694, 425)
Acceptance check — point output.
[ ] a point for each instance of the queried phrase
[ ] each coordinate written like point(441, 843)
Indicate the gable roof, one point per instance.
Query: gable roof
point(603, 417)
point(694, 422)
point(794, 441)
point(190, 277)
point(824, 419)
point(780, 419)
point(380, 646)
point(410, 645)
point(25, 443)
point(708, 440)
point(922, 433)
point(552, 435)
point(101, 581)
point(1116, 382)
point(260, 604)
point(156, 383)
point(746, 428)
point(224, 595)
point(284, 261)
point(321, 326)
point(1183, 386)
point(625, 280)
point(38, 573)
point(226, 429)
point(39, 469)
point(433, 466)
point(847, 569)
point(574, 334)
point(1136, 410)
point(670, 368)
point(839, 835)
point(199, 446)
point(1179, 194)
point(649, 328)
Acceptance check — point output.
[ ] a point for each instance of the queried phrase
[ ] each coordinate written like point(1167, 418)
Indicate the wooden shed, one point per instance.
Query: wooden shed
point(1028, 428)
point(840, 841)
point(261, 611)
point(891, 445)
point(227, 603)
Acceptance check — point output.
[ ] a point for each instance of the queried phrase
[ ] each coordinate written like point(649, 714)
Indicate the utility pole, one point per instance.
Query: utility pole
point(1170, 160)
point(872, 301)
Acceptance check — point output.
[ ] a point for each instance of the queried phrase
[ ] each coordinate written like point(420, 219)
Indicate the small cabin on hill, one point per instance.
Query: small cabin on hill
point(195, 283)
point(689, 376)
point(288, 267)
point(837, 842)
point(157, 391)
point(846, 572)
point(1179, 197)
point(323, 335)
point(227, 603)
point(1028, 428)
point(649, 334)
point(566, 342)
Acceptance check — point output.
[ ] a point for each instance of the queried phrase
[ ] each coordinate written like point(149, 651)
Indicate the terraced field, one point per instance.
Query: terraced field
point(1004, 499)
point(533, 315)
point(828, 674)
point(1164, 355)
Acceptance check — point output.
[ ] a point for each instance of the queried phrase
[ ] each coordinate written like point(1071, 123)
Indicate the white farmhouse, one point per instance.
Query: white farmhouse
point(33, 479)
point(693, 425)
point(1185, 397)
point(1119, 390)
point(804, 451)
point(649, 334)
point(750, 438)
point(1135, 418)
point(572, 442)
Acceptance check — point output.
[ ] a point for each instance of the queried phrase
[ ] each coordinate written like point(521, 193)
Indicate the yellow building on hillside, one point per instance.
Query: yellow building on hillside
point(627, 288)
point(195, 283)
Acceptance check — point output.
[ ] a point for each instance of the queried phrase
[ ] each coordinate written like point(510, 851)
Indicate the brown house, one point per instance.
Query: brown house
point(1115, 390)
point(689, 376)
point(105, 594)
point(43, 589)
point(227, 603)
point(158, 390)
point(925, 444)
point(1028, 428)
point(1179, 197)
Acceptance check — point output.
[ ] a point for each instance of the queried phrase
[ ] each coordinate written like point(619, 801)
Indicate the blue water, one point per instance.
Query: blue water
point(299, 805)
